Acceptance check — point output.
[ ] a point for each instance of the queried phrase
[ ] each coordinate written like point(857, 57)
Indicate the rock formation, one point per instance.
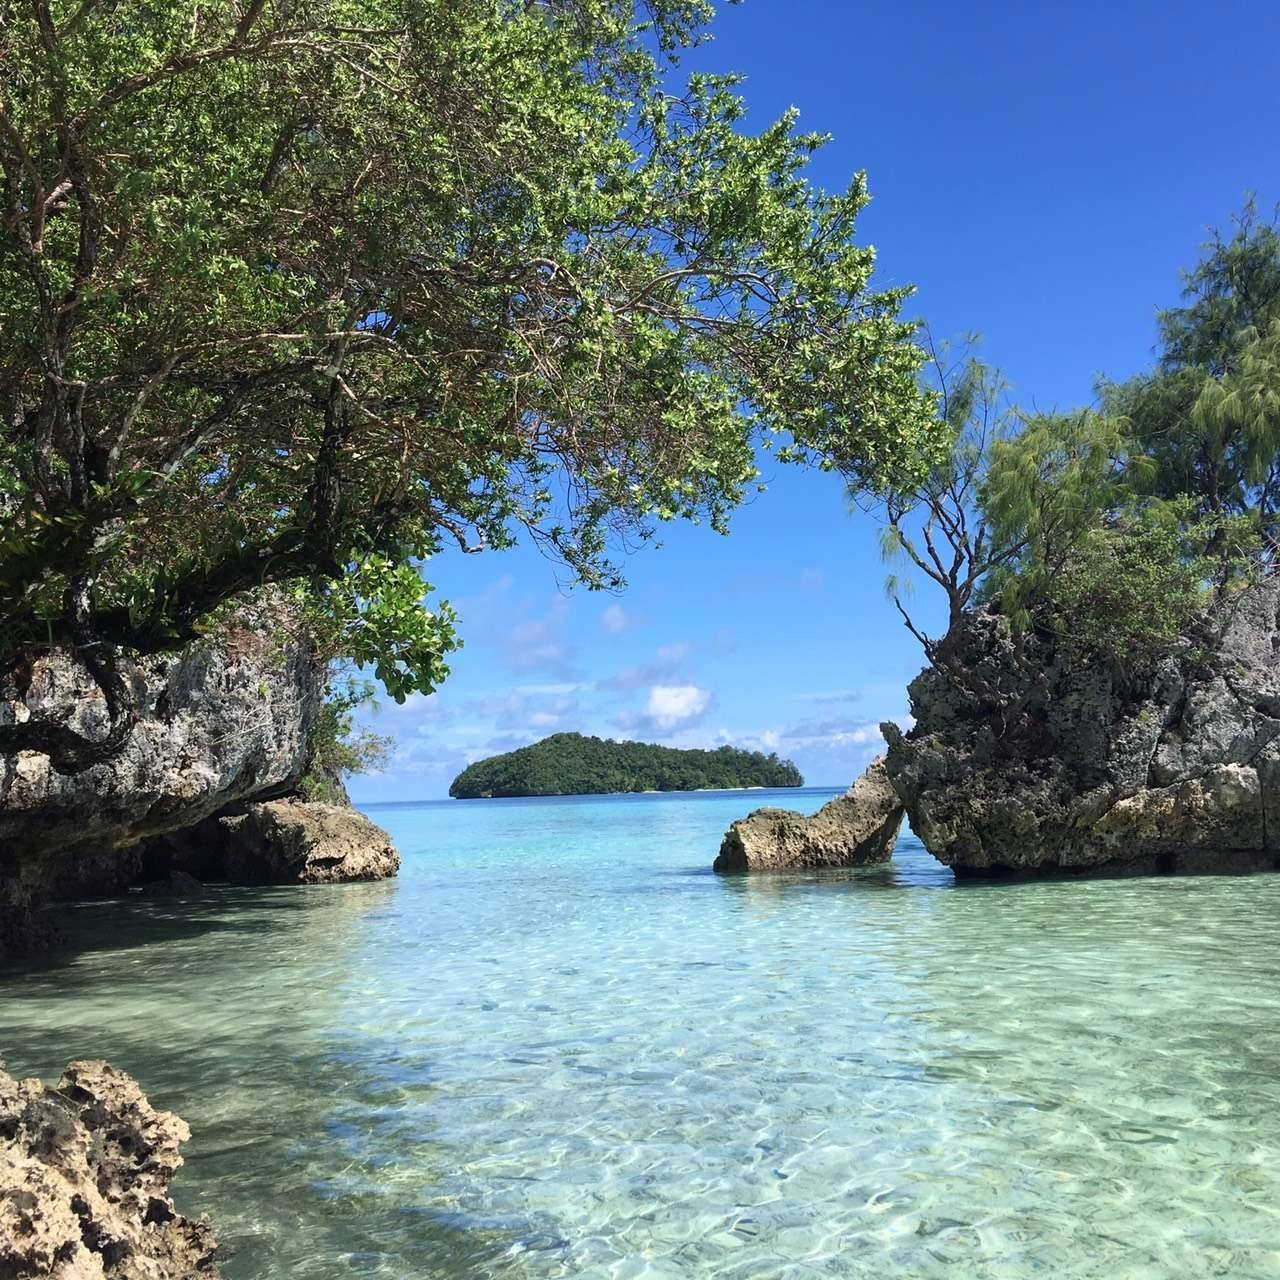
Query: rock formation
point(224, 725)
point(85, 1169)
point(853, 830)
point(223, 721)
point(286, 842)
point(1172, 766)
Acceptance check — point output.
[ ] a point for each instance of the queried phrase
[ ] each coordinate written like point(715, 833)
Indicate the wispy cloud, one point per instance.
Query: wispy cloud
point(808, 579)
point(668, 666)
point(538, 644)
point(615, 620)
point(530, 711)
point(833, 695)
point(838, 733)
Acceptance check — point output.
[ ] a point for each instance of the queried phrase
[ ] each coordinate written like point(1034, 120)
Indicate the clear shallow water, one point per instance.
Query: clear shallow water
point(559, 1046)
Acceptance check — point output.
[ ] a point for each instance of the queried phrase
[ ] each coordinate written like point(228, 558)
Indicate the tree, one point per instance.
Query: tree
point(572, 764)
point(1206, 421)
point(1109, 529)
point(337, 748)
point(1001, 513)
point(937, 524)
point(293, 292)
point(1132, 584)
point(1050, 486)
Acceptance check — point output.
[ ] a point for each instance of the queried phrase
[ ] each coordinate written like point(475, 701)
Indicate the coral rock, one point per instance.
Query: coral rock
point(85, 1169)
point(1168, 766)
point(295, 842)
point(854, 830)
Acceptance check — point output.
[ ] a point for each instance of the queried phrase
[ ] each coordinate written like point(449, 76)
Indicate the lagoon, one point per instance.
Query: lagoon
point(559, 1046)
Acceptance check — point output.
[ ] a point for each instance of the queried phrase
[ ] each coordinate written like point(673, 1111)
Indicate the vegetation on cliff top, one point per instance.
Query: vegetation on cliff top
point(1111, 528)
point(339, 748)
point(567, 764)
point(295, 293)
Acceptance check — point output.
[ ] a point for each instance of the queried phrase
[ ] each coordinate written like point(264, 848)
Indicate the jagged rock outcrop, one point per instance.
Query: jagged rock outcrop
point(293, 842)
point(85, 1168)
point(1169, 767)
point(227, 720)
point(854, 830)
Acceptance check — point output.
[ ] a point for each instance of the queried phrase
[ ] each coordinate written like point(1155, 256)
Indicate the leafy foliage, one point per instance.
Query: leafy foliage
point(1206, 422)
point(1047, 489)
point(1131, 586)
point(293, 292)
point(1112, 528)
point(571, 764)
point(338, 750)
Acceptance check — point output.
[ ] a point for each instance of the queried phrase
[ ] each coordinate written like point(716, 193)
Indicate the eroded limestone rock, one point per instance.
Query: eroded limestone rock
point(85, 1168)
point(296, 842)
point(1170, 767)
point(854, 830)
point(226, 720)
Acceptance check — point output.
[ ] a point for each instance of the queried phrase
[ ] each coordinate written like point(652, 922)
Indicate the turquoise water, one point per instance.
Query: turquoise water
point(559, 1046)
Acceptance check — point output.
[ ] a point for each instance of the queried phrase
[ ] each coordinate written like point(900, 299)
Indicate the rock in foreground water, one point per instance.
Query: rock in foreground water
point(85, 1169)
point(854, 830)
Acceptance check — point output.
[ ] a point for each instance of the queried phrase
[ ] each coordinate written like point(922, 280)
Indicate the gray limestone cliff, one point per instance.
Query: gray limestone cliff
point(1028, 757)
point(1171, 766)
point(224, 727)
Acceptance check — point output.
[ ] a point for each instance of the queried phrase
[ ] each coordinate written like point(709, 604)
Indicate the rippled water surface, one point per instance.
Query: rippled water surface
point(559, 1046)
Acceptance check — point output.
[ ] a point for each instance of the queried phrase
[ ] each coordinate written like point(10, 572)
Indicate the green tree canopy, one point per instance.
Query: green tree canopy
point(1206, 422)
point(1110, 527)
point(292, 292)
point(567, 764)
point(1004, 512)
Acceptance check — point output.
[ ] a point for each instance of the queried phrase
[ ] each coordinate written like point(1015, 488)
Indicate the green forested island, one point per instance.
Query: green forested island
point(568, 764)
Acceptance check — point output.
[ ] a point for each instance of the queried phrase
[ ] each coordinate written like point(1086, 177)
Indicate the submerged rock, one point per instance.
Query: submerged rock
point(297, 842)
point(854, 830)
point(1172, 766)
point(177, 884)
point(85, 1168)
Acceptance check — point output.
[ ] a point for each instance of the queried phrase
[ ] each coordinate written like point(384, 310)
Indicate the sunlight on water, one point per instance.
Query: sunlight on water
point(559, 1046)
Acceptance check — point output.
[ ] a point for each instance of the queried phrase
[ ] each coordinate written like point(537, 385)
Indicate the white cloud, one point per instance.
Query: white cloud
point(615, 620)
point(670, 705)
point(544, 719)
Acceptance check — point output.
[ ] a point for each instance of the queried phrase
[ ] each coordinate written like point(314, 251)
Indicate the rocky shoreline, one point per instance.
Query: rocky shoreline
point(1104, 770)
point(204, 789)
point(1172, 767)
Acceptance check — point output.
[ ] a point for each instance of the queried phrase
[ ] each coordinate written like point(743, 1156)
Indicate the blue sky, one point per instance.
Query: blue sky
point(1040, 173)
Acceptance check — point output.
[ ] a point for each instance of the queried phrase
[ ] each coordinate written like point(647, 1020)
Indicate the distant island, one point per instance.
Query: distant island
point(571, 764)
